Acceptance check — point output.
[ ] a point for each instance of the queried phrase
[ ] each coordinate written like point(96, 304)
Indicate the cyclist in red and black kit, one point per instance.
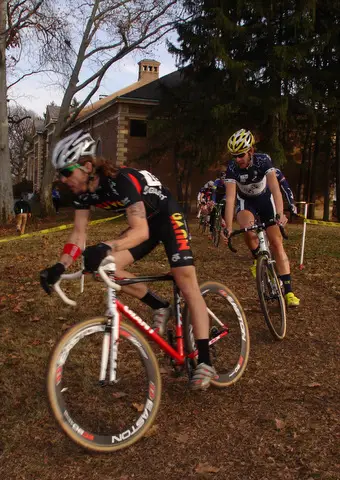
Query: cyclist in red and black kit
point(153, 216)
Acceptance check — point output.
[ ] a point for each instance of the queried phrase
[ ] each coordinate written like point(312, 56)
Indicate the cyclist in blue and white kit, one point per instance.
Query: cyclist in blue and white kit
point(253, 177)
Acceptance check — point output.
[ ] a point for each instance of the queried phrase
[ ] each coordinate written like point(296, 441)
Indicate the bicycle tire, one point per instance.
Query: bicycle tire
point(78, 419)
point(202, 226)
point(233, 359)
point(271, 298)
point(217, 231)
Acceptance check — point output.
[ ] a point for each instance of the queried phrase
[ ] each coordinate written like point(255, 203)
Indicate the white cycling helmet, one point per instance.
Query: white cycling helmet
point(210, 183)
point(68, 150)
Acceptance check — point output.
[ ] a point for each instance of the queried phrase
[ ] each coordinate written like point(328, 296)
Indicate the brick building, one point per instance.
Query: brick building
point(118, 123)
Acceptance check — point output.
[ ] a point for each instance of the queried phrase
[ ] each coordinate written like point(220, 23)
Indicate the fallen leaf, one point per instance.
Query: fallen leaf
point(119, 394)
point(65, 326)
point(17, 308)
point(280, 424)
point(206, 468)
point(314, 385)
point(34, 319)
point(138, 406)
point(152, 431)
point(182, 438)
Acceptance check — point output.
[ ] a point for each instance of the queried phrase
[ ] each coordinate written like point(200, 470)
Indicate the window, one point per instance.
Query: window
point(137, 128)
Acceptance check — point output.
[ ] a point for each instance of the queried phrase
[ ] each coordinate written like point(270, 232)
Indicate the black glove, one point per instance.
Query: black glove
point(50, 276)
point(94, 255)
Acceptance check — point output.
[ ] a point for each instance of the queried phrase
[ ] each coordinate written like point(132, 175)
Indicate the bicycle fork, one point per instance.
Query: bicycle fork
point(110, 341)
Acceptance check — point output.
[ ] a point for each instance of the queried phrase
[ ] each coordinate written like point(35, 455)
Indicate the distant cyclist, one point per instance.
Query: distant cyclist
point(204, 197)
point(253, 177)
point(218, 196)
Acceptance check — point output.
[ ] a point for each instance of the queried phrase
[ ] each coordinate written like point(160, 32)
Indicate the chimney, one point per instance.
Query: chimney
point(148, 70)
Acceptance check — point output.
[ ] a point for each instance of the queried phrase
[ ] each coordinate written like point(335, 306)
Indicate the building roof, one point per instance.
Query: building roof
point(141, 90)
point(39, 125)
point(108, 100)
point(153, 90)
point(52, 112)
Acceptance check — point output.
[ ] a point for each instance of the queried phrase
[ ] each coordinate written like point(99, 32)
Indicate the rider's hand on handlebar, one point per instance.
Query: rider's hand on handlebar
point(281, 219)
point(50, 276)
point(94, 255)
point(226, 234)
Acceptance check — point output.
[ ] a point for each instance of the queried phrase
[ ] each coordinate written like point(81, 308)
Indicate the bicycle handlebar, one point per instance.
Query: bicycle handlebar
point(258, 227)
point(107, 265)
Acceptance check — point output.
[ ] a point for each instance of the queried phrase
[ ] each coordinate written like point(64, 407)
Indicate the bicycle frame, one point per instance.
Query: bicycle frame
point(115, 310)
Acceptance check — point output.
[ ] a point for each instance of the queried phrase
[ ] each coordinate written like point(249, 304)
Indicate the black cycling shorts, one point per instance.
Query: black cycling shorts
point(170, 228)
point(262, 206)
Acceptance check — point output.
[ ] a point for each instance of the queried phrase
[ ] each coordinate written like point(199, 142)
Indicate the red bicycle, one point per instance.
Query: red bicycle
point(104, 382)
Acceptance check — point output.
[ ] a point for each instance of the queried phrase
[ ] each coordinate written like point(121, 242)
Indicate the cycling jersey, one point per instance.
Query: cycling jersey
point(251, 181)
point(128, 187)
point(164, 215)
point(206, 194)
point(218, 190)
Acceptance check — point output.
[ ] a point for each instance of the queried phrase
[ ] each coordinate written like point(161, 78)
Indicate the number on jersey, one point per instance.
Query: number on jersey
point(150, 179)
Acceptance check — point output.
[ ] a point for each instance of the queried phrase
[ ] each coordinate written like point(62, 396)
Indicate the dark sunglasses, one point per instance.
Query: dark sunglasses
point(239, 155)
point(67, 172)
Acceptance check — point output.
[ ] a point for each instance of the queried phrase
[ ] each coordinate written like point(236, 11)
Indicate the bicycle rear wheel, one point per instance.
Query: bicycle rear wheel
point(229, 334)
point(103, 418)
point(271, 298)
point(202, 225)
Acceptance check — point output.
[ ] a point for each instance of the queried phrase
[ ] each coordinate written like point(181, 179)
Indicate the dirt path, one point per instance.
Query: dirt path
point(281, 421)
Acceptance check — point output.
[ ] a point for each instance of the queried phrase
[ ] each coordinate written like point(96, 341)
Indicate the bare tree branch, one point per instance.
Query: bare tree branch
point(29, 74)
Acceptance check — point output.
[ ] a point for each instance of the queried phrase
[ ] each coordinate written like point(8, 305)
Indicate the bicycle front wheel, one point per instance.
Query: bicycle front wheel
point(217, 232)
point(271, 298)
point(229, 334)
point(96, 417)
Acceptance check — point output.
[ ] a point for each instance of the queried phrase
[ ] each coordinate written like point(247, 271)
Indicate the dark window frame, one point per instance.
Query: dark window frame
point(138, 128)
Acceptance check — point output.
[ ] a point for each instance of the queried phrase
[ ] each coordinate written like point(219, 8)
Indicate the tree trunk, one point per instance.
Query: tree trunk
point(301, 189)
point(327, 172)
point(49, 172)
point(178, 174)
point(6, 189)
point(187, 200)
point(313, 173)
point(337, 163)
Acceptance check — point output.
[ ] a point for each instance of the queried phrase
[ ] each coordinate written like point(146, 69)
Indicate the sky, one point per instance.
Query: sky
point(36, 92)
